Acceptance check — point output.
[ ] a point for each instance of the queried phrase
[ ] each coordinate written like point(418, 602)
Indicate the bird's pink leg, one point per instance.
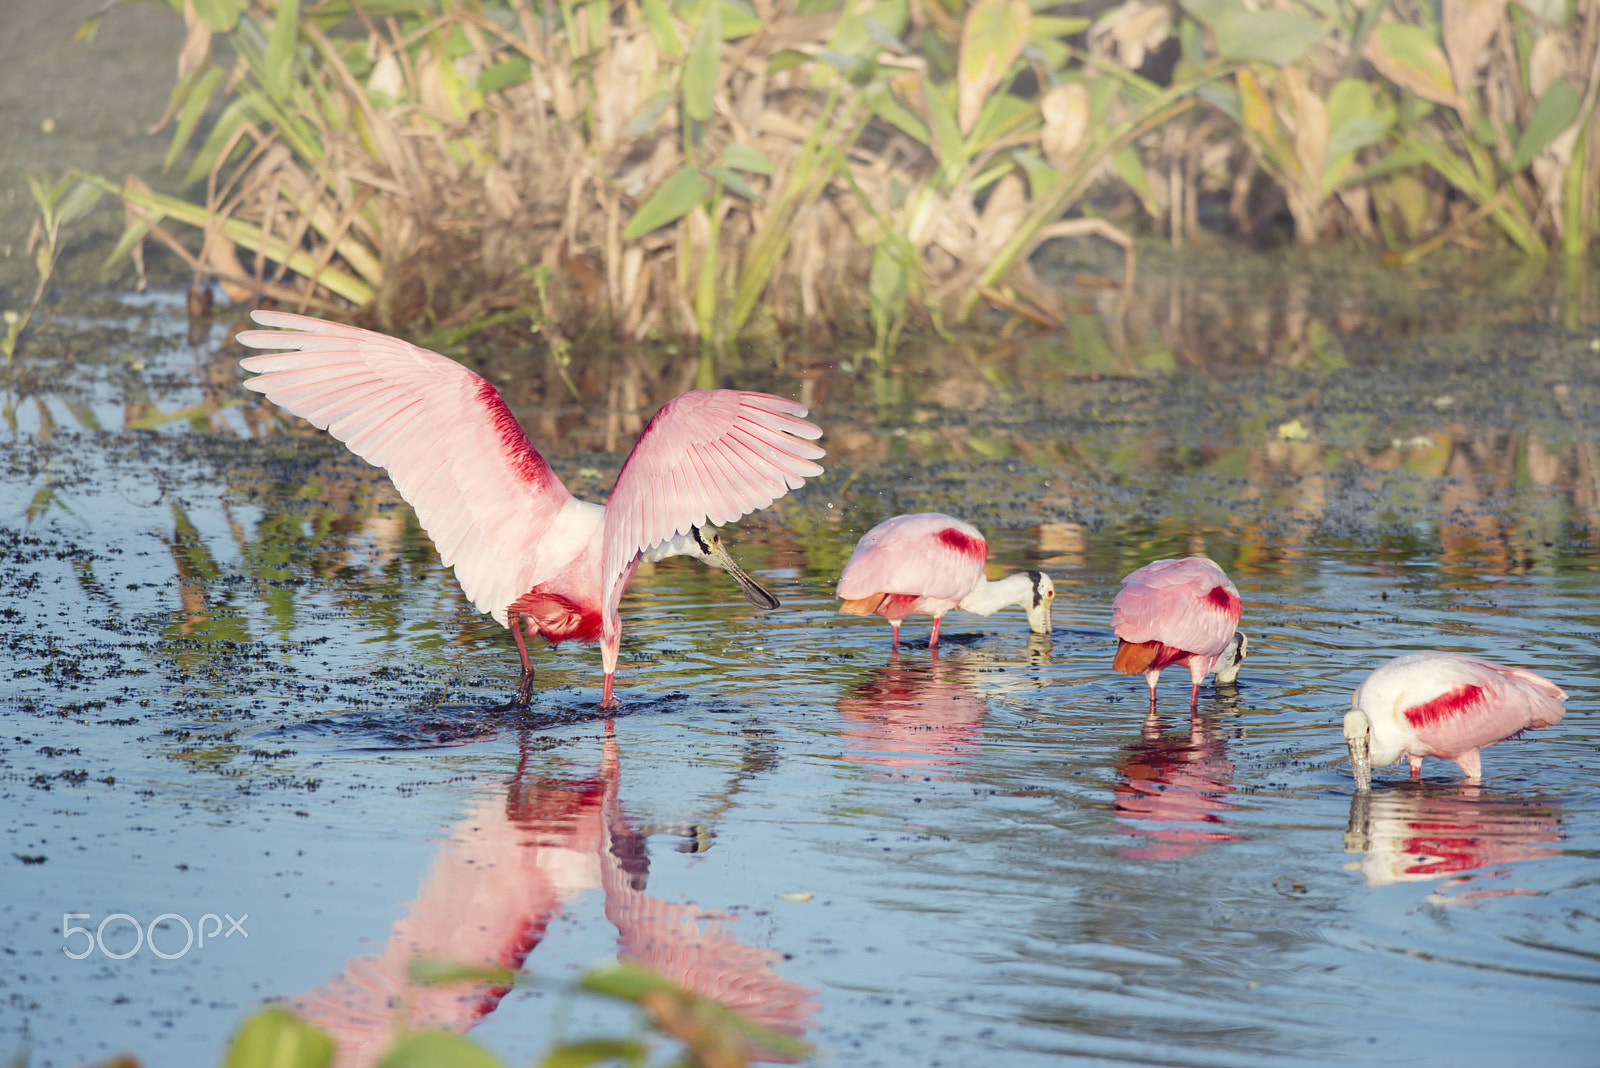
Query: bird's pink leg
point(1199, 667)
point(525, 687)
point(610, 646)
point(1472, 764)
point(933, 639)
point(1416, 766)
point(894, 629)
point(1151, 678)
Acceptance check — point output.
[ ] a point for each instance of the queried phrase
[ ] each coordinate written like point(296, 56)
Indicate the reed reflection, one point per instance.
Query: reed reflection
point(1173, 790)
point(1415, 832)
point(506, 871)
point(914, 713)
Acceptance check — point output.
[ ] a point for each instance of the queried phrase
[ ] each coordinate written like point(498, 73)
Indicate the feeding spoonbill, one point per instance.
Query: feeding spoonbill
point(1442, 705)
point(524, 549)
point(928, 563)
point(1178, 612)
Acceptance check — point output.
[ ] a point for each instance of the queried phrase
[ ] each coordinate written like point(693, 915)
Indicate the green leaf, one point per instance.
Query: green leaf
point(513, 71)
point(650, 112)
point(992, 36)
point(583, 1054)
point(438, 1049)
point(1408, 56)
point(1002, 114)
point(1554, 112)
point(1276, 37)
point(743, 157)
point(1053, 27)
point(1041, 176)
point(233, 116)
point(739, 19)
point(428, 971)
point(1209, 11)
point(77, 204)
point(948, 144)
point(277, 1038)
point(626, 981)
point(220, 16)
point(277, 72)
point(733, 180)
point(194, 108)
point(132, 234)
point(787, 59)
point(674, 199)
point(663, 29)
point(1354, 121)
point(886, 105)
point(1130, 168)
point(700, 70)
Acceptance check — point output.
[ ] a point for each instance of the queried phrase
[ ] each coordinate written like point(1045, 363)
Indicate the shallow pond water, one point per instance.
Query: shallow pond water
point(242, 694)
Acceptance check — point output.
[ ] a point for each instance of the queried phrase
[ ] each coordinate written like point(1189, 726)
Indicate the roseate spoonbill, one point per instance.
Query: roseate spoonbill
point(928, 563)
point(524, 549)
point(1178, 612)
point(1442, 705)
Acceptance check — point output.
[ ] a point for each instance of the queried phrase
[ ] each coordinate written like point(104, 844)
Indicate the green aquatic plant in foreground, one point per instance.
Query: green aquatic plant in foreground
point(709, 1035)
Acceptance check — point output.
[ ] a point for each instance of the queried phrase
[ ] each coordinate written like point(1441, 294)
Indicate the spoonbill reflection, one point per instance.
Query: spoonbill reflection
point(506, 871)
point(918, 714)
point(928, 563)
point(1178, 612)
point(1443, 705)
point(1174, 790)
point(524, 549)
point(1414, 833)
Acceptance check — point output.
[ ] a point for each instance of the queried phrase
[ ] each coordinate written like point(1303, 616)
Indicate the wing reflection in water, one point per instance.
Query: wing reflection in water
point(1416, 832)
point(914, 713)
point(1173, 791)
point(493, 888)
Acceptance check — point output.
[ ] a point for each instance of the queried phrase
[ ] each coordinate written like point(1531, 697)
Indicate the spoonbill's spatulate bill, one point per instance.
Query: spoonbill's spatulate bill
point(1182, 612)
point(928, 563)
point(524, 549)
point(1442, 705)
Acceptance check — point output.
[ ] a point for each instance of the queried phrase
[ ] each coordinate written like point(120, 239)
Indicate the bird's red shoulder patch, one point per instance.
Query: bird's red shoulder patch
point(525, 460)
point(558, 618)
point(1448, 705)
point(964, 544)
point(1225, 599)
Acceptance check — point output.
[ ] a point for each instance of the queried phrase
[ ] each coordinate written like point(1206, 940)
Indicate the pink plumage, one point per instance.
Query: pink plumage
point(928, 563)
point(1444, 705)
point(1182, 612)
point(524, 549)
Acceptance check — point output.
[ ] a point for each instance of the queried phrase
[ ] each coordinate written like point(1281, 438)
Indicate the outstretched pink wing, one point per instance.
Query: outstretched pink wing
point(1184, 604)
point(452, 447)
point(926, 554)
point(707, 456)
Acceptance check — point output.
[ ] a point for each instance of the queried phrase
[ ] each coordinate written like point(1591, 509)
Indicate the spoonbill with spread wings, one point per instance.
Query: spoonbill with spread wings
point(524, 549)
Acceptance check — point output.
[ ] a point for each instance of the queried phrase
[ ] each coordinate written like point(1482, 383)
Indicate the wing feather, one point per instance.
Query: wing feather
point(445, 435)
point(654, 499)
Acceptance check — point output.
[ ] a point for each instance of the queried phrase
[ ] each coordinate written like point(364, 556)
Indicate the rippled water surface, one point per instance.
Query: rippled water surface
point(239, 685)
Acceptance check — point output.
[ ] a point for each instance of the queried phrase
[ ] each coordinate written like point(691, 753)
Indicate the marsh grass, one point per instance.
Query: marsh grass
point(719, 169)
